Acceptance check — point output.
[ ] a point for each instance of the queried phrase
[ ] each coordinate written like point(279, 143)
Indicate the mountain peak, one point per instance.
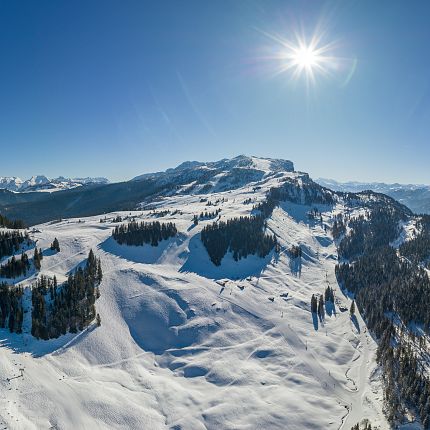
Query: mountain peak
point(242, 161)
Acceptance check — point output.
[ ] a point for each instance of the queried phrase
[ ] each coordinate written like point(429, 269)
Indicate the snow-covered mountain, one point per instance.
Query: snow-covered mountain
point(414, 196)
point(188, 344)
point(188, 178)
point(220, 175)
point(11, 183)
point(42, 183)
point(185, 344)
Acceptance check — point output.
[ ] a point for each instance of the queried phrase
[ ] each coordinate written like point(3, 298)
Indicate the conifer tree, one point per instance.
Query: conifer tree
point(321, 312)
point(99, 272)
point(55, 245)
point(352, 308)
point(314, 304)
point(36, 259)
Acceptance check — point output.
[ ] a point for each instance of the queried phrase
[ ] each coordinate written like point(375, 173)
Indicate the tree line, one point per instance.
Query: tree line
point(13, 224)
point(11, 313)
point(15, 267)
point(11, 241)
point(241, 235)
point(137, 234)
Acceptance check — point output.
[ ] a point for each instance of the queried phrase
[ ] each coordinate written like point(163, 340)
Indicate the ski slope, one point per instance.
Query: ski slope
point(187, 345)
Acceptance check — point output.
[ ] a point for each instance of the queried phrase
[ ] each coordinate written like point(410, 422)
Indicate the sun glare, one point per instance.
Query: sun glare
point(303, 58)
point(306, 59)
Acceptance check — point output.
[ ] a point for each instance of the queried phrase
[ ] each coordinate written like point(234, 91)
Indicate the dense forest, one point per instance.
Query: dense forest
point(306, 192)
point(58, 309)
point(10, 242)
point(5, 222)
point(15, 267)
point(338, 227)
point(137, 234)
point(11, 313)
point(417, 250)
point(378, 228)
point(393, 295)
point(242, 236)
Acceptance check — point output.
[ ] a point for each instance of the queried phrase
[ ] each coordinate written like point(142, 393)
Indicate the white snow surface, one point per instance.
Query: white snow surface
point(187, 345)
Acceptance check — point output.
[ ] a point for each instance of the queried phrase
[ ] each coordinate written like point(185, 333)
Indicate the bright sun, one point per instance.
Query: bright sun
point(303, 58)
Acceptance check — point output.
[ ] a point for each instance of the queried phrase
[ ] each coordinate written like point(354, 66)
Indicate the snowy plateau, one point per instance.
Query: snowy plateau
point(185, 344)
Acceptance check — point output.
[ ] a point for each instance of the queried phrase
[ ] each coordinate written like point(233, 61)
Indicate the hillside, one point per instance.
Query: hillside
point(187, 344)
point(195, 335)
point(95, 199)
point(94, 196)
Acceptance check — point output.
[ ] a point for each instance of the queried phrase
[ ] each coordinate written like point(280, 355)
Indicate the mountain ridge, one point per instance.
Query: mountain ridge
point(415, 196)
point(42, 183)
point(187, 178)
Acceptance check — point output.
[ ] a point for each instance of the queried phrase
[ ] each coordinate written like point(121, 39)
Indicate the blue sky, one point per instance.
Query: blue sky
point(119, 88)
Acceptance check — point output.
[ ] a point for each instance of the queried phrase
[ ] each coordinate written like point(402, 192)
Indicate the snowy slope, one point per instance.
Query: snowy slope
point(222, 175)
point(187, 345)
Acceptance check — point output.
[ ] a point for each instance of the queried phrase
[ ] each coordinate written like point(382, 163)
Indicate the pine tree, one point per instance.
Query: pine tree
point(36, 259)
point(55, 245)
point(314, 304)
point(321, 312)
point(99, 272)
point(352, 308)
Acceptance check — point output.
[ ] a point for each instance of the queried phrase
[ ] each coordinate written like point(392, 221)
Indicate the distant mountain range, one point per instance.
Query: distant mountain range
point(42, 183)
point(415, 196)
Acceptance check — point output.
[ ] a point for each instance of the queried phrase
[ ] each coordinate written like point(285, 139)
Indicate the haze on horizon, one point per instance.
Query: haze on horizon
point(118, 89)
